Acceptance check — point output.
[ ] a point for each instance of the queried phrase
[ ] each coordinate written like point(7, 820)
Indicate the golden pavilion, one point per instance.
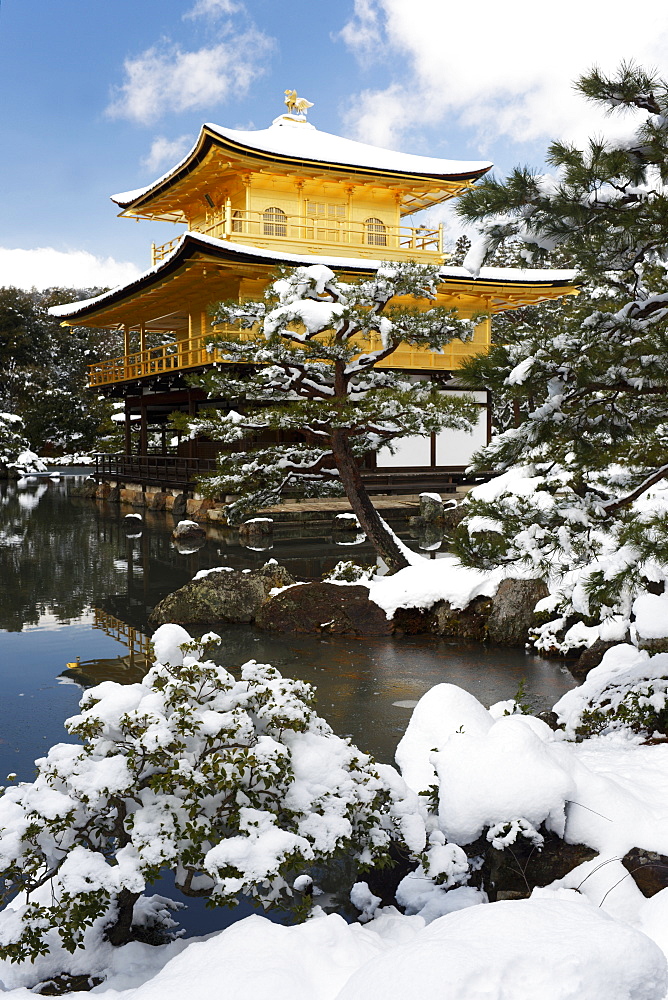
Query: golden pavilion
point(288, 195)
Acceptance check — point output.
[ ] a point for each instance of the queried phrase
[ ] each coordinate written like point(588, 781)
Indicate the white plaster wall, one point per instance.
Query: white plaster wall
point(408, 451)
point(452, 447)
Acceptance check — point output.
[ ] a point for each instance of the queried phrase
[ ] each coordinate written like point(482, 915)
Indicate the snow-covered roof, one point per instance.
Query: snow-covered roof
point(231, 250)
point(292, 139)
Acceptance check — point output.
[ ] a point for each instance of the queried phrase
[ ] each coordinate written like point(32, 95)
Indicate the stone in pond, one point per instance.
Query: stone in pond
point(221, 595)
point(324, 607)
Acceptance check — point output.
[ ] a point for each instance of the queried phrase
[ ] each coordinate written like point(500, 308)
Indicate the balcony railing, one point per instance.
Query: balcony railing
point(194, 353)
point(173, 356)
point(371, 238)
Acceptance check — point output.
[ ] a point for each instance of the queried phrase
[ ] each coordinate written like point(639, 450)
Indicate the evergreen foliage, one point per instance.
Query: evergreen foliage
point(15, 453)
point(585, 387)
point(310, 402)
point(44, 373)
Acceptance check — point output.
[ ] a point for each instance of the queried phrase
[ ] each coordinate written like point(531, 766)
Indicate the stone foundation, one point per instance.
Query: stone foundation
point(132, 495)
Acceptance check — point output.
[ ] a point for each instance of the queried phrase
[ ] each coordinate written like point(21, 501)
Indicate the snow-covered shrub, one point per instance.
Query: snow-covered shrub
point(627, 690)
point(347, 571)
point(236, 785)
point(533, 523)
point(15, 453)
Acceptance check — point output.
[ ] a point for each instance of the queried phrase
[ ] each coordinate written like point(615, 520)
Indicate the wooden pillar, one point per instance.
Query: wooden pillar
point(126, 348)
point(301, 211)
point(246, 181)
point(128, 429)
point(142, 338)
point(143, 430)
point(192, 410)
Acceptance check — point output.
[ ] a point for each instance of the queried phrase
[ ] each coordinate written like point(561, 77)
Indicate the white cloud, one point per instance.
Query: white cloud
point(166, 152)
point(46, 267)
point(213, 8)
point(166, 78)
point(496, 69)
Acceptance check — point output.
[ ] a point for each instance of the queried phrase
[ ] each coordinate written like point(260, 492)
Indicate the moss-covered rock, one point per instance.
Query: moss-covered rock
point(466, 623)
point(512, 613)
point(224, 595)
point(324, 608)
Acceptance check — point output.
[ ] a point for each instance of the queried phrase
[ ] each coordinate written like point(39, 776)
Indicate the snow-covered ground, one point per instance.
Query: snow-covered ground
point(591, 935)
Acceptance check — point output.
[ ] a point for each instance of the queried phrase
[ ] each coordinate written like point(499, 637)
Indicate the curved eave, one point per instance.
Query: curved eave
point(208, 139)
point(504, 288)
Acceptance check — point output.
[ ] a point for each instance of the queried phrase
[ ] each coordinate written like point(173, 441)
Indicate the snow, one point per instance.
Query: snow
point(167, 641)
point(214, 569)
point(287, 137)
point(509, 772)
point(502, 275)
point(520, 373)
point(442, 711)
point(503, 773)
point(651, 615)
point(556, 946)
point(429, 581)
point(623, 669)
point(481, 952)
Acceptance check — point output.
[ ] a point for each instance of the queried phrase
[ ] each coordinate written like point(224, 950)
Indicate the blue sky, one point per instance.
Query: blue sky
point(101, 96)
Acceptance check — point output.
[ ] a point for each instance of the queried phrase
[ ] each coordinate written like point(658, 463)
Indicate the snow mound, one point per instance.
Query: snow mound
point(553, 949)
point(507, 773)
point(444, 709)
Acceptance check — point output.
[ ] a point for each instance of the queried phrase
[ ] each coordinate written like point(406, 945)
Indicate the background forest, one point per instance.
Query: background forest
point(43, 368)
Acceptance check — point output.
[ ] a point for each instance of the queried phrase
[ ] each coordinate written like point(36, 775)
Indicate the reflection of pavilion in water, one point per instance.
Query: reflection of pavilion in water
point(126, 669)
point(153, 566)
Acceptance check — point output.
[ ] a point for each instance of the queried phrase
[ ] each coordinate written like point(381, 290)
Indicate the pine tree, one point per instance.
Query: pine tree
point(590, 382)
point(309, 401)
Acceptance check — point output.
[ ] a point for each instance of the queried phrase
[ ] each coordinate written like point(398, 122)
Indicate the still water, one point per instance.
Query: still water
point(72, 581)
point(73, 584)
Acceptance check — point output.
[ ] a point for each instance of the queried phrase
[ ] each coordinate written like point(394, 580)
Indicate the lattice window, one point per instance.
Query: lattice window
point(275, 222)
point(376, 232)
point(237, 221)
point(325, 210)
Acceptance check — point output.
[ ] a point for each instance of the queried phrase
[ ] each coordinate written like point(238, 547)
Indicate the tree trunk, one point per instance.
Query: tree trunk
point(382, 540)
point(119, 932)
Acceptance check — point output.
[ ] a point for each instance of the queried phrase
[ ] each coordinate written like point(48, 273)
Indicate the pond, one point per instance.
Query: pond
point(74, 585)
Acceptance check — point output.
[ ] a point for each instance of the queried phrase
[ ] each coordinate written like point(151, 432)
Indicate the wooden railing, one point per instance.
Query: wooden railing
point(168, 471)
point(173, 356)
point(194, 353)
point(374, 238)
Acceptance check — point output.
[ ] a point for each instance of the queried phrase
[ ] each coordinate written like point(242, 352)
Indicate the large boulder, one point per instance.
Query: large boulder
point(258, 529)
point(513, 611)
point(512, 873)
point(466, 623)
point(648, 869)
point(188, 531)
point(431, 507)
point(324, 607)
point(590, 658)
point(222, 595)
point(179, 508)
